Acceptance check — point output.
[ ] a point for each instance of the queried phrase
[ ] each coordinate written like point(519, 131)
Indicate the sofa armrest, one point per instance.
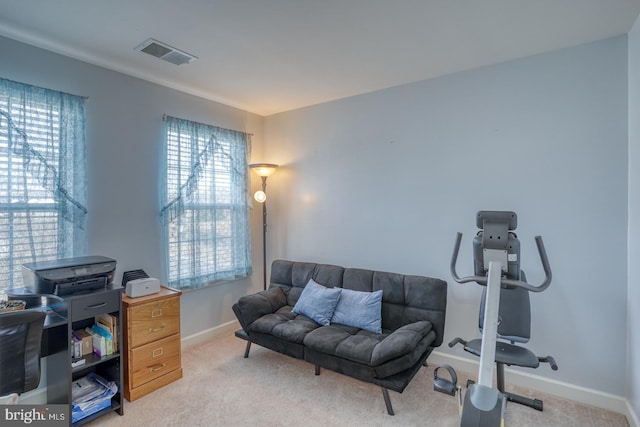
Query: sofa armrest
point(400, 342)
point(249, 308)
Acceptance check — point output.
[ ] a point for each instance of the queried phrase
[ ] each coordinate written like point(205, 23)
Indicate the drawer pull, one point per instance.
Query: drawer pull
point(151, 330)
point(157, 352)
point(91, 307)
point(152, 369)
point(156, 313)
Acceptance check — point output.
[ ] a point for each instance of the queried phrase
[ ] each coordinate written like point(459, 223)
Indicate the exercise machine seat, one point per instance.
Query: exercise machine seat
point(508, 354)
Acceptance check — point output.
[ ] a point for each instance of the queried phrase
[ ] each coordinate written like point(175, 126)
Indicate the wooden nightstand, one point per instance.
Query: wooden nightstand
point(152, 355)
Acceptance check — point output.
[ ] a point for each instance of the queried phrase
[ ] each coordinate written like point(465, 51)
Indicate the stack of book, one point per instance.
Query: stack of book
point(104, 334)
point(100, 339)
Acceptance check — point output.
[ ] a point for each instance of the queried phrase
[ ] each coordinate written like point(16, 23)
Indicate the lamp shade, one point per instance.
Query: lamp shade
point(263, 169)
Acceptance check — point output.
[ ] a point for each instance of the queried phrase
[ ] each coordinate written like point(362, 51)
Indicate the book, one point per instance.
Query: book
point(76, 346)
point(87, 346)
point(110, 322)
point(103, 331)
point(99, 342)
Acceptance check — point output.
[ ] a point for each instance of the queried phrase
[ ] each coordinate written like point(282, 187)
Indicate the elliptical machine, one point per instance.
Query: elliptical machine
point(497, 267)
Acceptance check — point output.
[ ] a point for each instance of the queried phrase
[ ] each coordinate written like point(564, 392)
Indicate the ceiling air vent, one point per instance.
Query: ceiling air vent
point(165, 52)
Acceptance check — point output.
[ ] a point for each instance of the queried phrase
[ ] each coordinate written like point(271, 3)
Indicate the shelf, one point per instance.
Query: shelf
point(115, 406)
point(93, 360)
point(82, 311)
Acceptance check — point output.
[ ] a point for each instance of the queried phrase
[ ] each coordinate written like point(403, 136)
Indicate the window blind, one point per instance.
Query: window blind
point(205, 209)
point(42, 181)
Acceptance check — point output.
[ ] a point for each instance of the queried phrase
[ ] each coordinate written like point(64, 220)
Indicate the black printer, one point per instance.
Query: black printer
point(69, 275)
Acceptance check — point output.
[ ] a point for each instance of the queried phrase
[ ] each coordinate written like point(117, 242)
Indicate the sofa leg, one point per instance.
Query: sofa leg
point(246, 350)
point(317, 369)
point(387, 401)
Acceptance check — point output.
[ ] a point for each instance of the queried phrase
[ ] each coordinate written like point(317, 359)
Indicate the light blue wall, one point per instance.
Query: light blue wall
point(385, 180)
point(633, 298)
point(124, 122)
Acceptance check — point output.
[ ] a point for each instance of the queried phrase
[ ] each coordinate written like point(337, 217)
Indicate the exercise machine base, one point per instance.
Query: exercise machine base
point(475, 417)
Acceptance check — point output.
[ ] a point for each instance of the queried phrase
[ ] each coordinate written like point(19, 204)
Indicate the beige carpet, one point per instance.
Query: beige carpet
point(221, 388)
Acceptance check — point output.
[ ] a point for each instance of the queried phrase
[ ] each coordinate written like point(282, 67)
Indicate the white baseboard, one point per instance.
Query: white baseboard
point(561, 389)
point(208, 334)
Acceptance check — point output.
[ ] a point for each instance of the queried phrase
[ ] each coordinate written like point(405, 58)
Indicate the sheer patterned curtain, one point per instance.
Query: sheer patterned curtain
point(205, 210)
point(42, 177)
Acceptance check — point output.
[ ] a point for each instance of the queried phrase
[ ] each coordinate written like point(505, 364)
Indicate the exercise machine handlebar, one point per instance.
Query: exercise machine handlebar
point(482, 280)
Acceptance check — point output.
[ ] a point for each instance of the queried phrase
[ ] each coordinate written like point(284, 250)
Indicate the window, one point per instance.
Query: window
point(205, 210)
point(42, 177)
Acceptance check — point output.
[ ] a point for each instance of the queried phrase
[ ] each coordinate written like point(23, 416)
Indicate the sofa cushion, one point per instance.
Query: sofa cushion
point(317, 302)
point(284, 324)
point(359, 309)
point(344, 341)
point(366, 347)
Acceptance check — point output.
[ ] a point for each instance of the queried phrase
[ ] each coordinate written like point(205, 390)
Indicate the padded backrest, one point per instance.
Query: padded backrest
point(292, 277)
point(514, 314)
point(20, 341)
point(405, 298)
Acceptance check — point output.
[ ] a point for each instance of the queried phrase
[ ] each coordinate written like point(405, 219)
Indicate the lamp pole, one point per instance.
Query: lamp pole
point(264, 234)
point(263, 170)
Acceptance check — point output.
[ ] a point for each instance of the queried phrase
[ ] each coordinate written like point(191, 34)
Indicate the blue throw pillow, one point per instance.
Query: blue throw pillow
point(317, 302)
point(360, 309)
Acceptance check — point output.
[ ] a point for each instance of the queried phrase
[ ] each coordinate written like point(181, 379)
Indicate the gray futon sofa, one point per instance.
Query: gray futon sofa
point(411, 323)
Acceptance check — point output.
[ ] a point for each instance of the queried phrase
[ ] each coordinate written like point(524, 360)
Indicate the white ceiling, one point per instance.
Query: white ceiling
point(268, 56)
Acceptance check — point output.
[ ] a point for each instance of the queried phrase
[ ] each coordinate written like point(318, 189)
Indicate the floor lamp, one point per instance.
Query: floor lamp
point(263, 170)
